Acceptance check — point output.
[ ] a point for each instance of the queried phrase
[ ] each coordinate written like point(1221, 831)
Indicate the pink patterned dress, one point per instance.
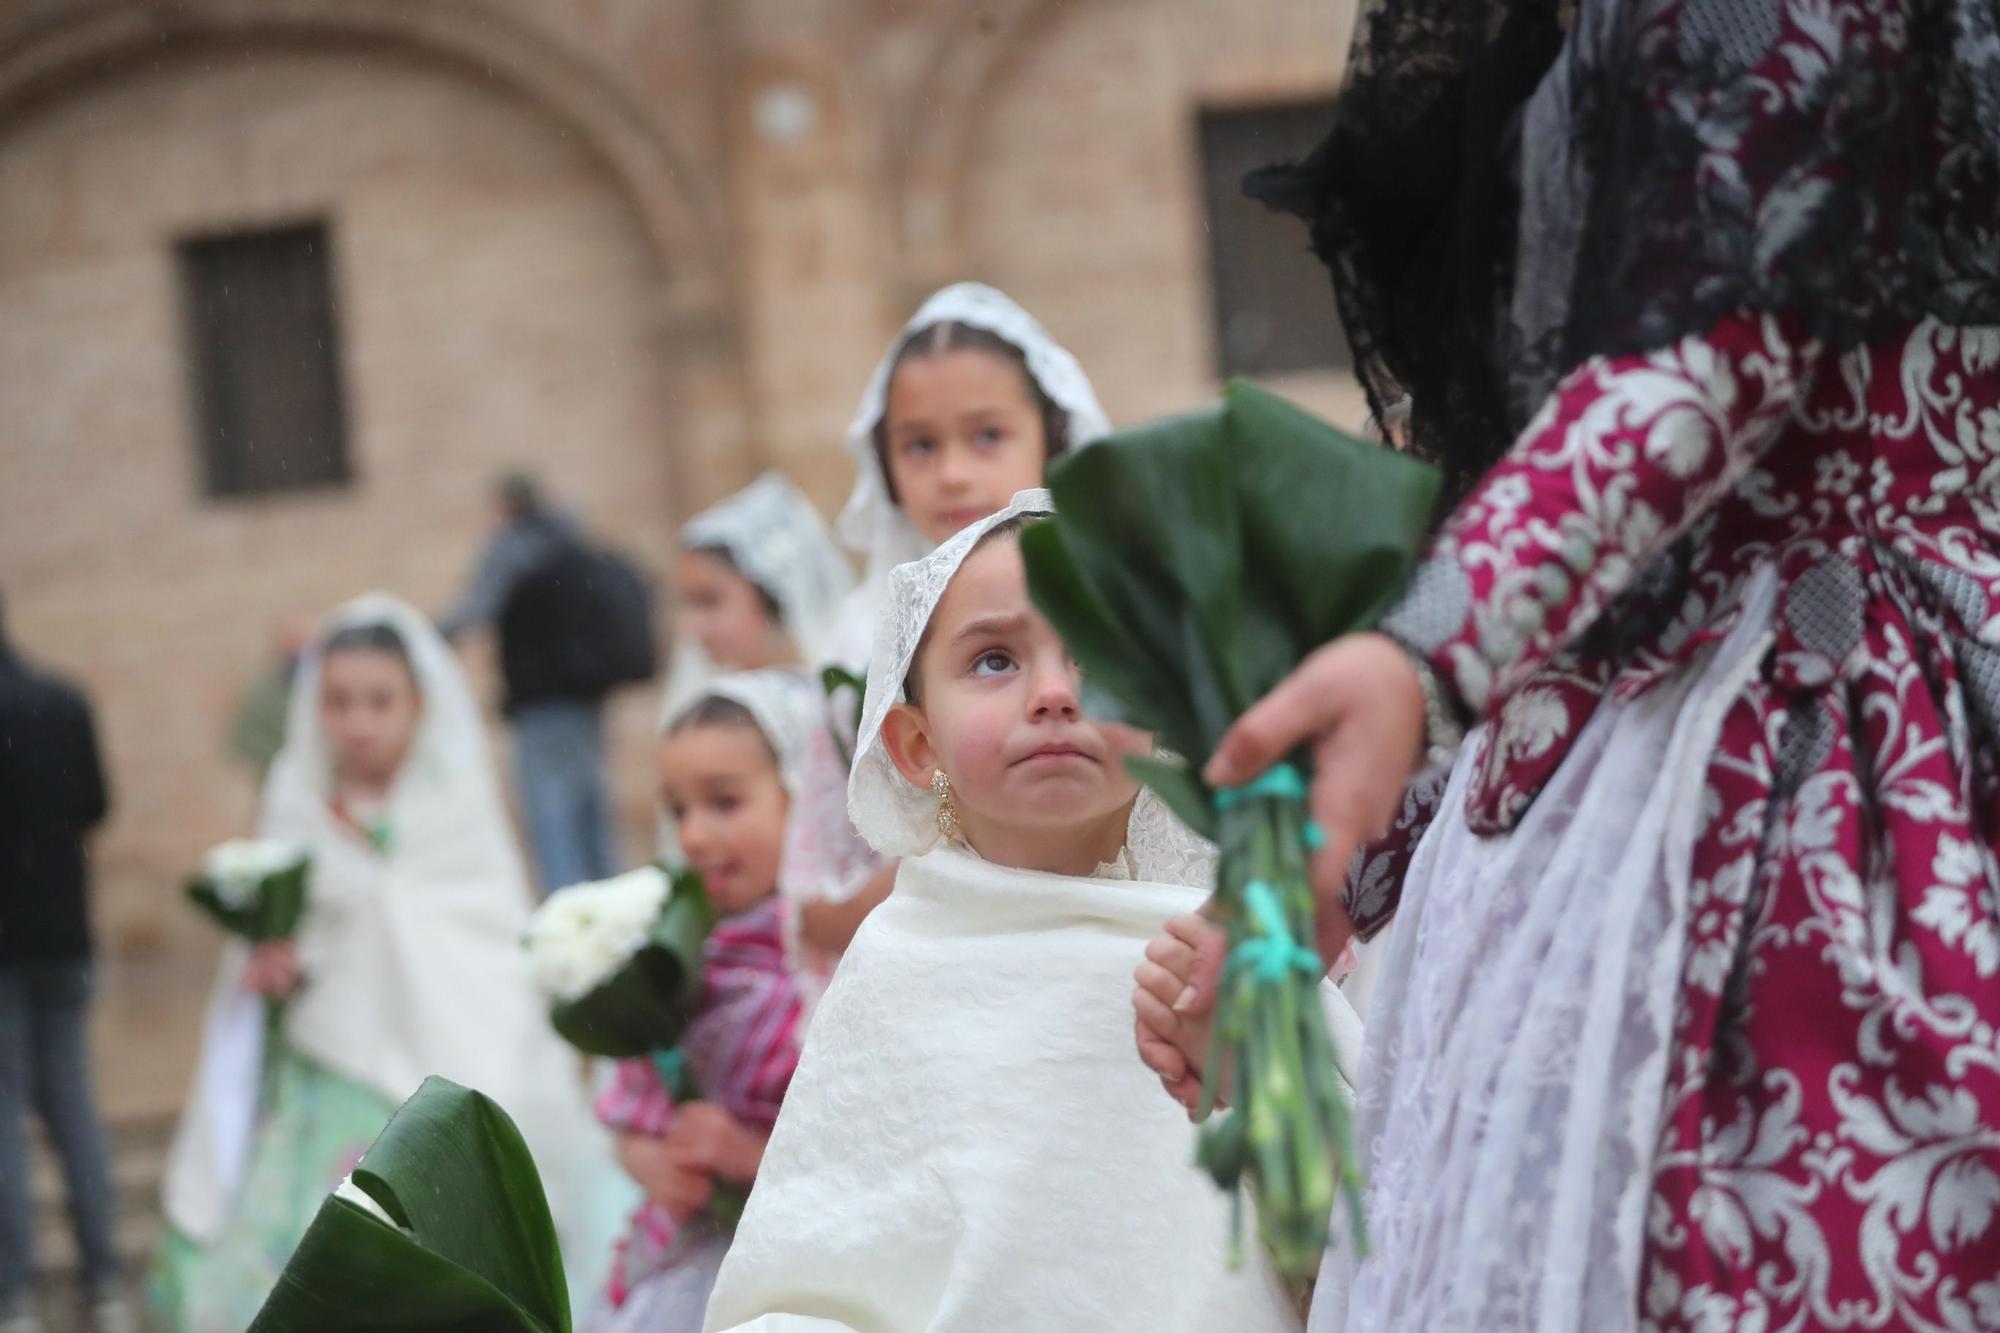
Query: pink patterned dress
point(1791, 991)
point(740, 1051)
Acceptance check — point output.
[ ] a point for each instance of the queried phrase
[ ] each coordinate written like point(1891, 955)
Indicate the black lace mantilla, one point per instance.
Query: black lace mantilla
point(1516, 185)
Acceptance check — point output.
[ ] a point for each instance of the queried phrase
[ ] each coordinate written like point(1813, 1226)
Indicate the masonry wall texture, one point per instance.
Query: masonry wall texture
point(648, 247)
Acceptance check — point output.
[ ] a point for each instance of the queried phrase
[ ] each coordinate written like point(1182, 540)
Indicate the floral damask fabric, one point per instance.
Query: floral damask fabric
point(1829, 1144)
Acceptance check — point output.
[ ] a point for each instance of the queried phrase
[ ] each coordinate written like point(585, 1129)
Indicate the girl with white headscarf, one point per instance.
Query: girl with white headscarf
point(968, 1143)
point(968, 406)
point(408, 963)
point(759, 583)
point(729, 769)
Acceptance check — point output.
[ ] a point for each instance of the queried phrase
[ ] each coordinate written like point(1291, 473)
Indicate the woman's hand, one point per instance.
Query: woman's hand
point(1173, 1044)
point(273, 969)
point(707, 1139)
point(1358, 706)
point(681, 1192)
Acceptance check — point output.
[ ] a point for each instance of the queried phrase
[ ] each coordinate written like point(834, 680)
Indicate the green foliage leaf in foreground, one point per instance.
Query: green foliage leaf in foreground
point(463, 1241)
point(1191, 565)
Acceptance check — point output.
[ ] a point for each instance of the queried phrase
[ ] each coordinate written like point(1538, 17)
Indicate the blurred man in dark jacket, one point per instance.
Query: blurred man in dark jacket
point(516, 590)
point(51, 795)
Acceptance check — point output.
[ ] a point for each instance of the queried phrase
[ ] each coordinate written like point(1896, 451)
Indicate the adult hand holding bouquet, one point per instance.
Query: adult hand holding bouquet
point(256, 890)
point(1192, 564)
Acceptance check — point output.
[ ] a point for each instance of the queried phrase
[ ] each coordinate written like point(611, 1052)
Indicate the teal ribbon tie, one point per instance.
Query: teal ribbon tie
point(1274, 950)
point(1279, 782)
point(673, 1071)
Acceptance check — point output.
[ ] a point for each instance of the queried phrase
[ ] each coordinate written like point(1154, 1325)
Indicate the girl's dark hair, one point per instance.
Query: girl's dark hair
point(1011, 527)
point(717, 551)
point(718, 710)
point(372, 637)
point(952, 336)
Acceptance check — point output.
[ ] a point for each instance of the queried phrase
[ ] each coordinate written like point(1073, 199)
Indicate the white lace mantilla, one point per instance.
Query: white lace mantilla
point(871, 523)
point(1519, 1034)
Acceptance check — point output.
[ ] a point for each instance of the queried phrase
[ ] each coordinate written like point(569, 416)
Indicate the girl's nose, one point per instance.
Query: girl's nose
point(953, 468)
point(1054, 692)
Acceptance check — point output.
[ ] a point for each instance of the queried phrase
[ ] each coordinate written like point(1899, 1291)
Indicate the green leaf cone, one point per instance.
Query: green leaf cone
point(1191, 565)
point(473, 1246)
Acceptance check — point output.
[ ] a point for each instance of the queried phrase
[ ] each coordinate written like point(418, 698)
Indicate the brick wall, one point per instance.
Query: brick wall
point(569, 234)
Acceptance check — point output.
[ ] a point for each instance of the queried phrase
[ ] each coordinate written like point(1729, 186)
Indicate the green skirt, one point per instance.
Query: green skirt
point(317, 1127)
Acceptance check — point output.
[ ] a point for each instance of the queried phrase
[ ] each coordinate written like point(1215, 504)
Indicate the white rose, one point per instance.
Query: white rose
point(584, 933)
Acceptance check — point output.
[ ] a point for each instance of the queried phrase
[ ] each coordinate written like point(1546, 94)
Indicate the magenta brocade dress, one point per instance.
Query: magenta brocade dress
point(1691, 1018)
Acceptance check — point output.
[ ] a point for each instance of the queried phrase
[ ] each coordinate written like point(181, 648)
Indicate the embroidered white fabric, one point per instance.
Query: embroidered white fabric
point(871, 523)
point(970, 1144)
point(898, 818)
point(778, 541)
point(1517, 1048)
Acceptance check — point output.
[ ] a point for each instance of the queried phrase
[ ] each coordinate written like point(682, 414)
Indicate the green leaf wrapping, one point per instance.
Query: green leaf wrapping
point(474, 1247)
point(646, 1005)
point(1191, 565)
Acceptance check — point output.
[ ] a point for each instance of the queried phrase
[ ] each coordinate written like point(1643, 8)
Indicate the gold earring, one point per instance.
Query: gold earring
point(947, 813)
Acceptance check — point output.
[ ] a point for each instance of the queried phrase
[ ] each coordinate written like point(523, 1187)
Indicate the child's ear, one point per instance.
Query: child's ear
point(906, 736)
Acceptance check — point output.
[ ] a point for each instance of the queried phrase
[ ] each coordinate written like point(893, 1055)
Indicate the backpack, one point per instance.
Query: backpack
point(577, 626)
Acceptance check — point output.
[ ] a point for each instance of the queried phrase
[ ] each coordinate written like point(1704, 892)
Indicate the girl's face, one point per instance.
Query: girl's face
point(721, 784)
point(963, 434)
point(1037, 785)
point(369, 708)
point(728, 616)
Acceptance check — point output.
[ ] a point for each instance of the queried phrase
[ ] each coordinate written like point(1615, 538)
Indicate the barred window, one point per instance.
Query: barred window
point(265, 361)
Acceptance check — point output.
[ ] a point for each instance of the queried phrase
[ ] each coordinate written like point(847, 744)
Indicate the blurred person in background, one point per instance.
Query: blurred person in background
point(51, 795)
point(407, 963)
point(573, 623)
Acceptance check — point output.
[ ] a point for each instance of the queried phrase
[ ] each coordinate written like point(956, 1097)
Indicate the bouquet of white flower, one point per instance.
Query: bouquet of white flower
point(620, 959)
point(255, 888)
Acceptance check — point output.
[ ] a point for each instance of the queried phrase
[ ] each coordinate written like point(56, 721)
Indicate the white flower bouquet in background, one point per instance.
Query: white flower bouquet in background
point(253, 887)
point(256, 889)
point(620, 960)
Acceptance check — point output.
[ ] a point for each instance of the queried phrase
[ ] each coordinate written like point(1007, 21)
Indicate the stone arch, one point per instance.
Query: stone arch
point(42, 57)
point(929, 138)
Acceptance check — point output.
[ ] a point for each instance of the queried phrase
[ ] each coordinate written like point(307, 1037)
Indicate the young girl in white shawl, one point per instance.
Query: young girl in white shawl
point(408, 963)
point(968, 1143)
point(967, 407)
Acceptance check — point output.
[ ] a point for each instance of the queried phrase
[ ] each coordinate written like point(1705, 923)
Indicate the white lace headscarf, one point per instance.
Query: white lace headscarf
point(872, 524)
point(447, 779)
point(898, 818)
point(776, 539)
point(787, 709)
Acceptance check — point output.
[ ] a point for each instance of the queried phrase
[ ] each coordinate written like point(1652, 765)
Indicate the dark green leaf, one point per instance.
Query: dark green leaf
point(1157, 500)
point(1331, 524)
point(479, 1251)
point(1113, 660)
point(351, 1274)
